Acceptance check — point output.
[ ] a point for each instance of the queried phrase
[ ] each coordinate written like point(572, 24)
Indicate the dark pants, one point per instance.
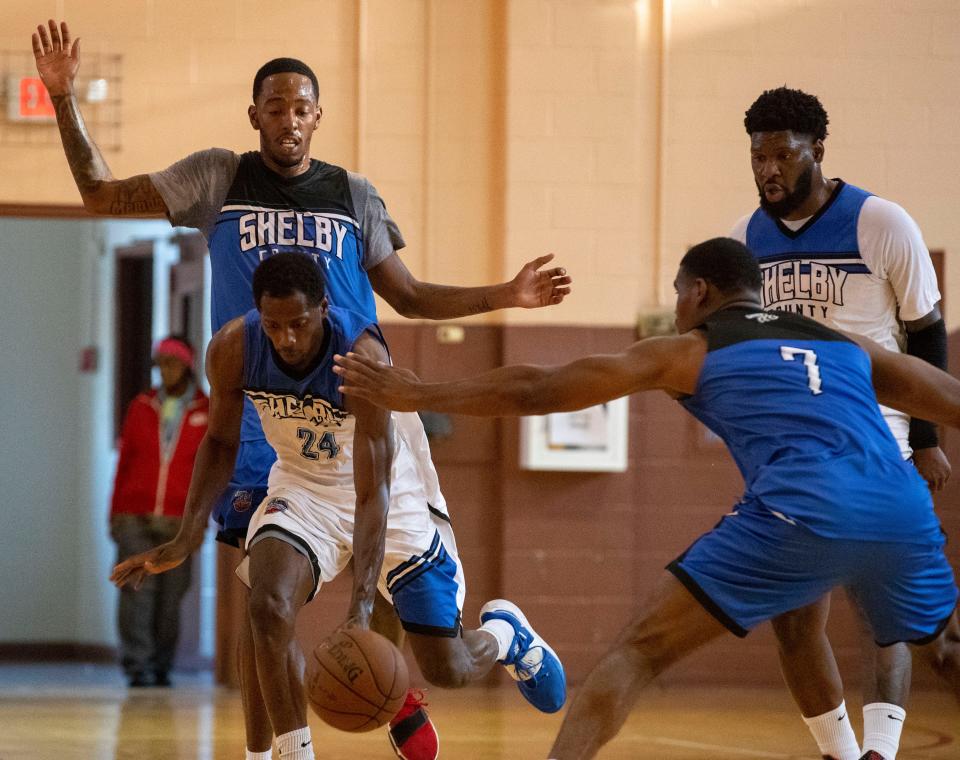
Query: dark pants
point(149, 618)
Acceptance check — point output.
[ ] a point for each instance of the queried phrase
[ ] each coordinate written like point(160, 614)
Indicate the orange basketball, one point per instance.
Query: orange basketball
point(357, 680)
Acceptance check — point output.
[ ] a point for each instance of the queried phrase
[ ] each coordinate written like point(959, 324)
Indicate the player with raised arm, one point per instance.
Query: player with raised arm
point(252, 206)
point(828, 501)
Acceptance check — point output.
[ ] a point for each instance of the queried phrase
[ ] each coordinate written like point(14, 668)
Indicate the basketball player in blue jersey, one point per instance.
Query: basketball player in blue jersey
point(344, 484)
point(854, 262)
point(828, 501)
point(254, 205)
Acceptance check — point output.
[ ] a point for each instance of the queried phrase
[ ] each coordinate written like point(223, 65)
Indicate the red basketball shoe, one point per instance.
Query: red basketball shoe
point(873, 755)
point(411, 731)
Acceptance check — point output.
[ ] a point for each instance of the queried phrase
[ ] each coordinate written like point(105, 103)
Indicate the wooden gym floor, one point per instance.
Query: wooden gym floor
point(84, 712)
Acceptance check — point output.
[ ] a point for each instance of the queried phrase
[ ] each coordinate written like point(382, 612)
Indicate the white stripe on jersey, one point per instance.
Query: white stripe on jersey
point(267, 209)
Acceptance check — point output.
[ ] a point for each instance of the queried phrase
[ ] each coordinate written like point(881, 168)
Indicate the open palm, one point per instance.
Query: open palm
point(534, 287)
point(57, 59)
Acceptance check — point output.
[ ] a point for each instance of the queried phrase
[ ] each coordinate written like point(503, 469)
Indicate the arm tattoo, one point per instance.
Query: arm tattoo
point(87, 165)
point(136, 195)
point(131, 197)
point(481, 307)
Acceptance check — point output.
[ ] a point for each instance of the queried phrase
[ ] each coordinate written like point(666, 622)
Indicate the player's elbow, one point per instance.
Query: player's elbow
point(417, 300)
point(405, 298)
point(954, 420)
point(529, 394)
point(524, 400)
point(95, 200)
point(95, 207)
point(408, 310)
point(223, 446)
point(372, 507)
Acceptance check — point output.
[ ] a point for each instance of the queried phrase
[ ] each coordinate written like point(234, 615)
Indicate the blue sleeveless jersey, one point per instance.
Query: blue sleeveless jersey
point(795, 404)
point(809, 265)
point(313, 396)
point(264, 214)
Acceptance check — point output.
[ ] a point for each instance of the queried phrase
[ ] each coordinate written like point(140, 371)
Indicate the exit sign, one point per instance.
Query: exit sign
point(28, 100)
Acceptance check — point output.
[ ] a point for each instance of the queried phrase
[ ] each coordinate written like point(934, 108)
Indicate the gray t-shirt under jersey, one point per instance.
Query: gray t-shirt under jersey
point(195, 188)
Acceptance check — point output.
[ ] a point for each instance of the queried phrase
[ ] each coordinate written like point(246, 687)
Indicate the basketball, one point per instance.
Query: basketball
point(357, 680)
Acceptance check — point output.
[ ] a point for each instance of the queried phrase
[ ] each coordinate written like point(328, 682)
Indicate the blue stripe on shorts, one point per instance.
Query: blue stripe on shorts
point(424, 590)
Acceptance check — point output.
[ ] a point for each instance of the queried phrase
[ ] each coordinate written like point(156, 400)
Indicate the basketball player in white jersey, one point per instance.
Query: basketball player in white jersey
point(854, 262)
point(344, 484)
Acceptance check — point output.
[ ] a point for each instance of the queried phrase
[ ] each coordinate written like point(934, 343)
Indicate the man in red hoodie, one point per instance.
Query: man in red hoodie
point(161, 432)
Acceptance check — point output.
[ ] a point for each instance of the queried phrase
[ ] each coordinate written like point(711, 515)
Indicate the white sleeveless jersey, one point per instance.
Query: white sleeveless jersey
point(305, 422)
point(313, 440)
point(303, 416)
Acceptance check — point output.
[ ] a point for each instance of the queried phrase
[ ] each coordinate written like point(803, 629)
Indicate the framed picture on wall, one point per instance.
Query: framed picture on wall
point(591, 440)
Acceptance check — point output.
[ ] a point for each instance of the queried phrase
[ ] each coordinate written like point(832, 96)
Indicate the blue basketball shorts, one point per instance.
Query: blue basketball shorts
point(754, 566)
point(248, 487)
point(428, 588)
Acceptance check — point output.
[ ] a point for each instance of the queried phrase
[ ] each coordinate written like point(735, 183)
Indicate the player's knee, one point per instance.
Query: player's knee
point(600, 698)
point(648, 652)
point(936, 659)
point(943, 655)
point(443, 673)
point(270, 611)
point(795, 630)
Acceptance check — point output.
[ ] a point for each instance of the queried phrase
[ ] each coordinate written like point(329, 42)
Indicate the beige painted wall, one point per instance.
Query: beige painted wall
point(188, 66)
point(607, 131)
point(582, 160)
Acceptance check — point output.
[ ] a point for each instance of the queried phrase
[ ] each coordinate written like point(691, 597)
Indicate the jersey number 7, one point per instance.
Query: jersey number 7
point(789, 354)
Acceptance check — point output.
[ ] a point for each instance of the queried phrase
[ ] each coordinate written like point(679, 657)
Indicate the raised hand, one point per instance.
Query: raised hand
point(533, 288)
point(57, 60)
point(378, 383)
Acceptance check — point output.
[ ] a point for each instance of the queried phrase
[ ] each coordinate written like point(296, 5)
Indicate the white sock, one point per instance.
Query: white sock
point(268, 755)
point(295, 745)
point(882, 724)
point(503, 632)
point(834, 734)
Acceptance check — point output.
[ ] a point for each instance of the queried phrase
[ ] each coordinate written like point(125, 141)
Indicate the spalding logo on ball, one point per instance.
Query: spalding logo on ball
point(358, 680)
point(343, 652)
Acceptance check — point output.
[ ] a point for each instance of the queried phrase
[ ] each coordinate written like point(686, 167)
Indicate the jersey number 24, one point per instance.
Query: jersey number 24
point(313, 446)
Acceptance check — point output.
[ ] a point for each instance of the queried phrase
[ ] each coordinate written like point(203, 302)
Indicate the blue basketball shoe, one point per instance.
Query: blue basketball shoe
point(530, 661)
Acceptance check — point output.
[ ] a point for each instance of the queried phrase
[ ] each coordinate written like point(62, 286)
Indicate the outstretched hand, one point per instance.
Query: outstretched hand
point(533, 288)
point(57, 60)
point(378, 383)
point(158, 560)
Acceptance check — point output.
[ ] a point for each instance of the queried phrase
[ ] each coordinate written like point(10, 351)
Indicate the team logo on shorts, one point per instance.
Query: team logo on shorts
point(276, 505)
point(241, 501)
